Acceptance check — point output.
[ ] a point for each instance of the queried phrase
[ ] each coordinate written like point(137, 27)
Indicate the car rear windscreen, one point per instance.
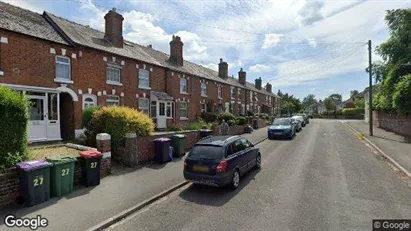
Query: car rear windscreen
point(206, 152)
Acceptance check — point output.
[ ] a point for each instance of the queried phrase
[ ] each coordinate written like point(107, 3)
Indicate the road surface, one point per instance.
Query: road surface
point(324, 179)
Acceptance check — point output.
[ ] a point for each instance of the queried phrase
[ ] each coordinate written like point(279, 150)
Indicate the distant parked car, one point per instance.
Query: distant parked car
point(306, 118)
point(299, 122)
point(282, 127)
point(221, 160)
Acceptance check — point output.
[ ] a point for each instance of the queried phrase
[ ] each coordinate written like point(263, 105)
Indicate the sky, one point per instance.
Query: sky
point(301, 47)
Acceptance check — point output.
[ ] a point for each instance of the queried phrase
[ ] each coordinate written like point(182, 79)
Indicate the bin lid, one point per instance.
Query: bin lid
point(29, 165)
point(179, 135)
point(163, 139)
point(90, 154)
point(60, 160)
point(206, 130)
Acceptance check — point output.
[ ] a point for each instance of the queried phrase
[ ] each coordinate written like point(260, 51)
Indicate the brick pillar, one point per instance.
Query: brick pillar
point(215, 128)
point(103, 143)
point(130, 153)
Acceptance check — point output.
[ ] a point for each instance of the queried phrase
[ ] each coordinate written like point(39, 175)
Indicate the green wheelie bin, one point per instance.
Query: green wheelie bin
point(34, 181)
point(62, 175)
point(177, 142)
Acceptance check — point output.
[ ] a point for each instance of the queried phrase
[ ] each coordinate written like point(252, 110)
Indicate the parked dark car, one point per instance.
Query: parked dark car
point(282, 127)
point(221, 161)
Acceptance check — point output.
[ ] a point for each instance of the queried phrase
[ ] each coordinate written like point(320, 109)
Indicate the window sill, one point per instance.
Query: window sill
point(144, 88)
point(1, 73)
point(58, 80)
point(183, 118)
point(114, 83)
point(204, 96)
point(184, 93)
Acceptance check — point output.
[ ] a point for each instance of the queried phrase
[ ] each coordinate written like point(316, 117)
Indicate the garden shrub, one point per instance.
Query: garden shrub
point(232, 122)
point(227, 116)
point(117, 121)
point(402, 95)
point(209, 117)
point(250, 113)
point(13, 129)
point(88, 115)
point(352, 113)
point(241, 120)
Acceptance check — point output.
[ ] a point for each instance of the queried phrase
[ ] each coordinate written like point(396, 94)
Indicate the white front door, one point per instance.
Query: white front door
point(37, 118)
point(53, 116)
point(161, 115)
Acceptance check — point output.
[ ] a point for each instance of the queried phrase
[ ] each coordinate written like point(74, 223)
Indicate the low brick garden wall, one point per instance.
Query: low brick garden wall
point(10, 185)
point(236, 130)
point(399, 124)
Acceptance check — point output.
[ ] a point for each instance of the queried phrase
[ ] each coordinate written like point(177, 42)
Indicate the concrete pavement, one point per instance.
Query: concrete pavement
point(87, 207)
point(390, 143)
point(324, 179)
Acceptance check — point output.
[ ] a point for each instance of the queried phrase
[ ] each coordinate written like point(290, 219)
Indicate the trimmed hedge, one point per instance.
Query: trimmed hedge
point(241, 121)
point(352, 113)
point(209, 117)
point(88, 115)
point(117, 121)
point(227, 116)
point(13, 129)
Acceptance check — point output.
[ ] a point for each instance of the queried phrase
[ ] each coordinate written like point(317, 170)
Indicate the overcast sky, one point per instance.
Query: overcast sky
point(300, 47)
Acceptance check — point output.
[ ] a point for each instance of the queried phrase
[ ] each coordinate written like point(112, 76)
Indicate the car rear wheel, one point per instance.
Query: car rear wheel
point(258, 161)
point(235, 181)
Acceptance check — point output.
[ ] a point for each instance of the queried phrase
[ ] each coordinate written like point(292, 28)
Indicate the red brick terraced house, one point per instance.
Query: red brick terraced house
point(64, 67)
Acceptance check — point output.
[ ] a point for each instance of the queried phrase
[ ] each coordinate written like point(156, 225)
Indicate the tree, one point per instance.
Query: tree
point(336, 98)
point(359, 102)
point(354, 93)
point(329, 104)
point(309, 100)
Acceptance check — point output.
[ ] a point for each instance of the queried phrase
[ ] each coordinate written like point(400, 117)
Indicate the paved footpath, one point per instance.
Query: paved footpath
point(87, 207)
point(390, 143)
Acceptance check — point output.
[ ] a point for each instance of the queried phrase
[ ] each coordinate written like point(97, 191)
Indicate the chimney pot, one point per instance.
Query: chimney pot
point(258, 83)
point(176, 51)
point(242, 77)
point(114, 28)
point(114, 9)
point(223, 69)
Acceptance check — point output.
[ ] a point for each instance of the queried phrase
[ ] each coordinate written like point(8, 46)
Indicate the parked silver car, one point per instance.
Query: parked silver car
point(299, 122)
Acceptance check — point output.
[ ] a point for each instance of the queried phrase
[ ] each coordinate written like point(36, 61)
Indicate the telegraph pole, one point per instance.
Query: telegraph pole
point(370, 87)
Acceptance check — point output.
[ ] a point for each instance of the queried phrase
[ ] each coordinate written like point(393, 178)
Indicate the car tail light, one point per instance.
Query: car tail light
point(222, 166)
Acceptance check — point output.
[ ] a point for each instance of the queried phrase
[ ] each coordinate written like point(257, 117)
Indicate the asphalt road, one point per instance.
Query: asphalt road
point(324, 179)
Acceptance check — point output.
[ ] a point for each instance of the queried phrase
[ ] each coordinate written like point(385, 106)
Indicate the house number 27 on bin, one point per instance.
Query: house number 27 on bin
point(93, 164)
point(65, 172)
point(38, 181)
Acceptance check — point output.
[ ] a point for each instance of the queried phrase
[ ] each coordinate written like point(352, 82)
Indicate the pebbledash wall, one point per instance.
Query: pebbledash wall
point(9, 178)
point(399, 124)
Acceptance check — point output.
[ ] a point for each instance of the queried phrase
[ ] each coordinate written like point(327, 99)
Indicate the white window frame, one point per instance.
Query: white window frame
point(255, 96)
point(183, 82)
point(232, 92)
point(109, 79)
point(144, 109)
point(183, 109)
point(204, 89)
point(110, 99)
point(63, 79)
point(219, 92)
point(251, 96)
point(238, 93)
point(201, 107)
point(89, 96)
point(170, 106)
point(140, 77)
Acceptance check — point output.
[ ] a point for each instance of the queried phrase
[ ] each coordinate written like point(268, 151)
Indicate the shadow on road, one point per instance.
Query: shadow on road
point(213, 196)
point(395, 140)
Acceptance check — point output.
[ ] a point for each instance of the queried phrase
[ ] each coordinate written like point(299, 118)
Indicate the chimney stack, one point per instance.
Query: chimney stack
point(269, 88)
point(258, 83)
point(114, 28)
point(242, 77)
point(176, 50)
point(223, 69)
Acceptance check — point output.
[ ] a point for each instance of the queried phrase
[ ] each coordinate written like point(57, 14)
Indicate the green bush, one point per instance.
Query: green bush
point(88, 115)
point(250, 113)
point(13, 129)
point(232, 122)
point(209, 117)
point(241, 120)
point(352, 113)
point(402, 95)
point(227, 116)
point(117, 121)
point(174, 128)
point(196, 125)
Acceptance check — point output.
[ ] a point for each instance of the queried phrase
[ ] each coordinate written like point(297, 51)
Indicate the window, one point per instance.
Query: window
point(113, 74)
point(183, 110)
point(113, 100)
point(153, 109)
point(183, 85)
point(231, 108)
point(63, 68)
point(246, 144)
point(143, 105)
point(243, 109)
point(203, 107)
point(219, 89)
point(52, 106)
point(168, 110)
point(239, 93)
point(89, 100)
point(143, 79)
point(255, 96)
point(251, 96)
point(203, 89)
point(232, 92)
point(207, 152)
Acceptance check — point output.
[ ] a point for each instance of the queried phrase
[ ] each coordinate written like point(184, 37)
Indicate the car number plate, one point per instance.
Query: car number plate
point(277, 133)
point(199, 168)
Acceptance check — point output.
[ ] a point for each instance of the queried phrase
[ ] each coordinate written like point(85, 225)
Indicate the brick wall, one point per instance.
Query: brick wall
point(145, 145)
point(236, 130)
point(10, 187)
point(399, 124)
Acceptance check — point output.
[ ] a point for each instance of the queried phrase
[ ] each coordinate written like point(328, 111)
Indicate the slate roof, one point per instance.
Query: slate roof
point(161, 95)
point(26, 22)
